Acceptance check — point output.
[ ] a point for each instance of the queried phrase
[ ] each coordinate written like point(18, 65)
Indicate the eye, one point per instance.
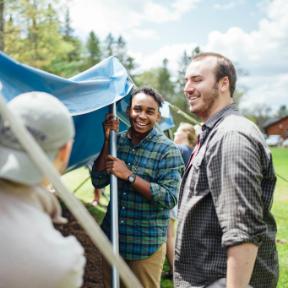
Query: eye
point(197, 79)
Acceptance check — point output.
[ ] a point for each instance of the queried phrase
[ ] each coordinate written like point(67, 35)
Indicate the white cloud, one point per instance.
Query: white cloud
point(121, 18)
point(262, 52)
point(103, 18)
point(141, 34)
point(155, 12)
point(172, 52)
point(264, 47)
point(270, 90)
point(227, 5)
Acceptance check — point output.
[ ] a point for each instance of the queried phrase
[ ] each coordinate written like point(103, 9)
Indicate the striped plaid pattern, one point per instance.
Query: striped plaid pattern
point(142, 223)
point(225, 200)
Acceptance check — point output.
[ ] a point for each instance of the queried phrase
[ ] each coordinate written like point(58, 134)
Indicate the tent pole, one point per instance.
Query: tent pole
point(114, 203)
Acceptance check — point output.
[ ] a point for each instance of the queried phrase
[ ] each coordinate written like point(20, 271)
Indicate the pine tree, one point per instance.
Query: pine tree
point(109, 44)
point(40, 34)
point(75, 53)
point(165, 85)
point(94, 49)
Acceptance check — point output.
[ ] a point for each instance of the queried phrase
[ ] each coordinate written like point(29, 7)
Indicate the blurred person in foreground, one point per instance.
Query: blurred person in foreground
point(226, 232)
point(148, 167)
point(33, 253)
point(185, 139)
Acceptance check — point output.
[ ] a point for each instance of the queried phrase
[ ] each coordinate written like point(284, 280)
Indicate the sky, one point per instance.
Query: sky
point(252, 33)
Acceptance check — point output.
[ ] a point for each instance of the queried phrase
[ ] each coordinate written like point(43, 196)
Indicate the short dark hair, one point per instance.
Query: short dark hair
point(224, 67)
point(150, 92)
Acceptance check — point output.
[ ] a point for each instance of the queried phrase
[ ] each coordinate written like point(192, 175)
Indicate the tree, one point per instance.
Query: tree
point(148, 78)
point(282, 111)
point(75, 53)
point(2, 23)
point(33, 35)
point(182, 64)
point(109, 44)
point(259, 114)
point(120, 49)
point(5, 7)
point(165, 85)
point(13, 41)
point(93, 49)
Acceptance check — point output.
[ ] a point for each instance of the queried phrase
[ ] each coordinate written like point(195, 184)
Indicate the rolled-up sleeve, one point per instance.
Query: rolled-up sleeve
point(99, 179)
point(165, 189)
point(234, 175)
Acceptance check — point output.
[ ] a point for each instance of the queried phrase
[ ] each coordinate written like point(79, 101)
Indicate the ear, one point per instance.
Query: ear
point(64, 152)
point(224, 84)
point(128, 111)
point(158, 116)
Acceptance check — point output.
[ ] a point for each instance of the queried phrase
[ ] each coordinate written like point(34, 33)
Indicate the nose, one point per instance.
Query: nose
point(142, 115)
point(188, 88)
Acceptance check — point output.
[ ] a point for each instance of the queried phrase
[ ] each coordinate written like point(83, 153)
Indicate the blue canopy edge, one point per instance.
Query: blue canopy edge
point(86, 95)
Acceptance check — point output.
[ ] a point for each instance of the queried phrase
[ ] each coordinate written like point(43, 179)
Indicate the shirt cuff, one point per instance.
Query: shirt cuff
point(236, 237)
point(100, 179)
point(161, 197)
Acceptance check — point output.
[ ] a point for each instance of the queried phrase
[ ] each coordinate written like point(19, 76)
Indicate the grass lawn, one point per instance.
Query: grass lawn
point(280, 211)
point(280, 207)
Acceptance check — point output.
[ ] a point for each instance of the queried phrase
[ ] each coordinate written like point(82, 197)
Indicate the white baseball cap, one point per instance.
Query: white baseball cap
point(48, 121)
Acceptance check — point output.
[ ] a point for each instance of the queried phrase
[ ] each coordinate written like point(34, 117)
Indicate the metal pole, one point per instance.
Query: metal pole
point(114, 203)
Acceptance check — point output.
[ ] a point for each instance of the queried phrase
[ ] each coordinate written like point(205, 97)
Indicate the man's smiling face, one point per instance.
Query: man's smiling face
point(143, 113)
point(201, 89)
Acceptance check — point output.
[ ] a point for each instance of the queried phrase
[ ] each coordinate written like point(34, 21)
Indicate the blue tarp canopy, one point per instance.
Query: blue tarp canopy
point(86, 95)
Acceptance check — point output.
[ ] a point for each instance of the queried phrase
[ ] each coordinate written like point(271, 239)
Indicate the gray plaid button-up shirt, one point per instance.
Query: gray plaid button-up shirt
point(225, 200)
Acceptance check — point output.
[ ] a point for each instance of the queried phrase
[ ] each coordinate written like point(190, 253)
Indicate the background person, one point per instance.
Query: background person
point(226, 232)
point(97, 193)
point(185, 139)
point(148, 169)
point(33, 253)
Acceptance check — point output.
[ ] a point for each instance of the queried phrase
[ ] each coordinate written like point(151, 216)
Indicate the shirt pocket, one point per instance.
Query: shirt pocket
point(198, 179)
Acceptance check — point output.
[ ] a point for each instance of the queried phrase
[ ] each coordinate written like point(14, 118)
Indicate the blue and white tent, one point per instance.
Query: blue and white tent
point(87, 95)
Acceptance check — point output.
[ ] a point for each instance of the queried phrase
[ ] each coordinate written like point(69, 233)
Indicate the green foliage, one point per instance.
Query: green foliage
point(166, 86)
point(280, 211)
point(282, 111)
point(148, 78)
point(37, 34)
point(258, 114)
point(109, 44)
point(2, 24)
point(94, 49)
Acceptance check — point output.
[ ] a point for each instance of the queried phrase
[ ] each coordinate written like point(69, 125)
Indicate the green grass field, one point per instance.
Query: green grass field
point(280, 211)
point(280, 207)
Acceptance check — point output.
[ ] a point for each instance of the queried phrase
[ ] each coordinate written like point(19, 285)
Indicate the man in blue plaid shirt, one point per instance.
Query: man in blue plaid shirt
point(148, 169)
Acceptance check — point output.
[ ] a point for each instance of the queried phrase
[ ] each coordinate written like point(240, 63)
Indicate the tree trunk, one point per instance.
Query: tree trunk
point(2, 21)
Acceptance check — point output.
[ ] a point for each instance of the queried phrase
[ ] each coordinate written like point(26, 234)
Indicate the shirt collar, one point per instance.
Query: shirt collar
point(214, 119)
point(149, 136)
point(228, 110)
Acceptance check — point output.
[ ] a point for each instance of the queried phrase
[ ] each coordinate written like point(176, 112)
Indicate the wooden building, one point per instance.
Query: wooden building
point(277, 127)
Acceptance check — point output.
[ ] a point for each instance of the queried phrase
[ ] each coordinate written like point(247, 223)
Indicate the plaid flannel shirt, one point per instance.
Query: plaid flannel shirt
point(225, 200)
point(143, 223)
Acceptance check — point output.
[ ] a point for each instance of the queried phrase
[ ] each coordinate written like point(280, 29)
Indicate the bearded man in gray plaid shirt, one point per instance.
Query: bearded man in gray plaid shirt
point(226, 232)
